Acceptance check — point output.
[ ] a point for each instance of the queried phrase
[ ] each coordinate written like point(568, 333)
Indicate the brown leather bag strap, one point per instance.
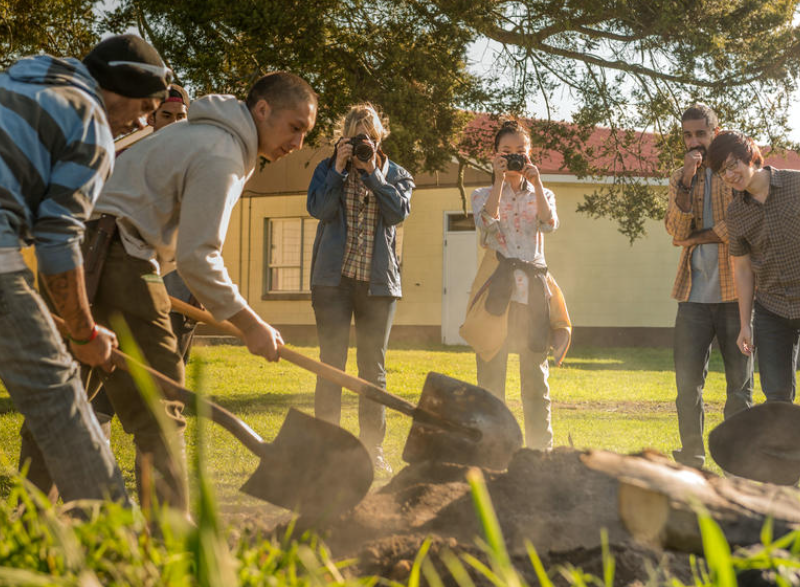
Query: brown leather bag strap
point(96, 255)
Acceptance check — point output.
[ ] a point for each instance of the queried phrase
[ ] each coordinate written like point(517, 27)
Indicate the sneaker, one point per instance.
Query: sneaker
point(382, 467)
point(694, 461)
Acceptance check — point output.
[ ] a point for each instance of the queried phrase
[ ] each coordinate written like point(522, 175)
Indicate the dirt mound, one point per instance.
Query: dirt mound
point(551, 500)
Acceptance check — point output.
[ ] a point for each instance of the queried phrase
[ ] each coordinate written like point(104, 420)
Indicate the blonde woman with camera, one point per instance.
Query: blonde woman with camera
point(511, 297)
point(359, 195)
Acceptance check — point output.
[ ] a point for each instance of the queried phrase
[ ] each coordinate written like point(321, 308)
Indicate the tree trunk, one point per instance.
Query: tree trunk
point(658, 500)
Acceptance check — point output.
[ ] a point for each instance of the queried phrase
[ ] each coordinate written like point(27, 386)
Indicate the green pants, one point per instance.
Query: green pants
point(132, 289)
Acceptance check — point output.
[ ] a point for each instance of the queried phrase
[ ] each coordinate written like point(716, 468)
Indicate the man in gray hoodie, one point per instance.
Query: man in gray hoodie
point(172, 195)
point(57, 120)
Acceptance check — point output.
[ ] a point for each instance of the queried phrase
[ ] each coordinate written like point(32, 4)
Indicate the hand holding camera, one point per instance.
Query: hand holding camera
point(516, 162)
point(359, 149)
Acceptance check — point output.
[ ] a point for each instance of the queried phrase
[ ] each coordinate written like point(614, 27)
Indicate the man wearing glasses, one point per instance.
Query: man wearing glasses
point(764, 220)
point(58, 118)
point(704, 286)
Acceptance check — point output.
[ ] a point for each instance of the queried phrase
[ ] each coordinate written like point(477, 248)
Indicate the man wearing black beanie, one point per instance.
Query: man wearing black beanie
point(57, 122)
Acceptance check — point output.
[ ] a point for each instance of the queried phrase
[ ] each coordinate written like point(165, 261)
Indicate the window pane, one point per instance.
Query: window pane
point(285, 242)
point(285, 279)
point(459, 222)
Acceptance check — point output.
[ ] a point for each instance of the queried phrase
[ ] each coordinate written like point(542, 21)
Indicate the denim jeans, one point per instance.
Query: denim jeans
point(44, 383)
point(696, 325)
point(334, 306)
point(776, 339)
point(533, 373)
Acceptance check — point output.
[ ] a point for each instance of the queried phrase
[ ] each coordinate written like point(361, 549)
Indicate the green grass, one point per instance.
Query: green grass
point(618, 399)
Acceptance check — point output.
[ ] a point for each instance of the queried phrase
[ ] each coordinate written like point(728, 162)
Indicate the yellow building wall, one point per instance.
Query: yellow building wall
point(607, 282)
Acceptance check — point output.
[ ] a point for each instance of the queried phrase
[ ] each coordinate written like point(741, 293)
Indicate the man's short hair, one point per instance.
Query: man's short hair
point(700, 111)
point(733, 142)
point(281, 90)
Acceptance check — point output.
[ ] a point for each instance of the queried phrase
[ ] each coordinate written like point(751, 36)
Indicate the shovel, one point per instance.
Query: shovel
point(454, 422)
point(761, 443)
point(312, 466)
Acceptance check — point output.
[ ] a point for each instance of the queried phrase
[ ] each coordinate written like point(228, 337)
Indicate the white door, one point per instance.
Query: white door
point(460, 266)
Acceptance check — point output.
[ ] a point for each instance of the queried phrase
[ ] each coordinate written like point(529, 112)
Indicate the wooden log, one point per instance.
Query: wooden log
point(659, 501)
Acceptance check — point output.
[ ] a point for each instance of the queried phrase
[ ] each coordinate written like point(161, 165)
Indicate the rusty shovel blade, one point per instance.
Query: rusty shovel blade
point(761, 443)
point(313, 467)
point(471, 406)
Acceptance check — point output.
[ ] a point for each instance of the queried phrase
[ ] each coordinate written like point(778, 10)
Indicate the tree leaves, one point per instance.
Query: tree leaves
point(629, 66)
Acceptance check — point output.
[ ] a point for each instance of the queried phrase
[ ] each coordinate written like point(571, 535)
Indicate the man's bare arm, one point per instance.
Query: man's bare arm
point(68, 292)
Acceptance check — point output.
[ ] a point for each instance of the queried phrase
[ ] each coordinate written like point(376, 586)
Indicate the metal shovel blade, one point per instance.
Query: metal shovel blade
point(313, 467)
point(762, 443)
point(471, 406)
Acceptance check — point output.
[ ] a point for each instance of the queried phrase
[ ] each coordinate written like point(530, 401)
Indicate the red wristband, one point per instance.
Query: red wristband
point(92, 336)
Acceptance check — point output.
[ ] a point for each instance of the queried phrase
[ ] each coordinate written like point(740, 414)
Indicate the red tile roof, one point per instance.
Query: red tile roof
point(638, 154)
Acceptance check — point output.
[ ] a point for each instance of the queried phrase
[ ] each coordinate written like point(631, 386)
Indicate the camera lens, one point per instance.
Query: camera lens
point(516, 162)
point(363, 151)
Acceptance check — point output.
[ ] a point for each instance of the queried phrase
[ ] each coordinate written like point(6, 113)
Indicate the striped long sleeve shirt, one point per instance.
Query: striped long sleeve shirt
point(56, 151)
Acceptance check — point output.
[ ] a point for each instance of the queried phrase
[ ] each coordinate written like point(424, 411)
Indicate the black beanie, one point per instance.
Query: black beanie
point(127, 65)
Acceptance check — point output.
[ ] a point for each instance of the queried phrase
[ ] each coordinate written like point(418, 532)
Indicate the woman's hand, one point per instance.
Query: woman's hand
point(344, 152)
point(530, 171)
point(500, 166)
point(368, 166)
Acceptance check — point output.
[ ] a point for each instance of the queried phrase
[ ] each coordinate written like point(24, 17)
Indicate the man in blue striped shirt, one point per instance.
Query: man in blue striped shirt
point(58, 118)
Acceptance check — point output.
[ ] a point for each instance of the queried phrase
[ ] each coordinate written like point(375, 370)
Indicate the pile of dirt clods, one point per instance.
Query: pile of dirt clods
point(551, 500)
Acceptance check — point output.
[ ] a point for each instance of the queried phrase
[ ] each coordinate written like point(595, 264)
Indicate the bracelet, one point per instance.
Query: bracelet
point(92, 336)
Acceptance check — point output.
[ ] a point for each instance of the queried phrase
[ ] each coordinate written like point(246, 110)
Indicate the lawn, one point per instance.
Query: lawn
point(620, 399)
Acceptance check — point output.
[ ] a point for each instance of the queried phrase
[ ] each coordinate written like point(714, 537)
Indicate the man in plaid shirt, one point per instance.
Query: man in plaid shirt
point(704, 286)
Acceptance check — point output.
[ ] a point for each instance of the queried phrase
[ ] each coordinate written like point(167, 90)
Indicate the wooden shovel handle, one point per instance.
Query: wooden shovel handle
point(175, 391)
point(334, 375)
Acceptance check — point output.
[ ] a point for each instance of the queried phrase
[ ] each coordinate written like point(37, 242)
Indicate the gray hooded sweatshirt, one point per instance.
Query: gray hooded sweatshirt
point(173, 194)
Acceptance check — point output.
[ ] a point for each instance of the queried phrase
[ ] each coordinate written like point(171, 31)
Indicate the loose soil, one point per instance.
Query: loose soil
point(551, 500)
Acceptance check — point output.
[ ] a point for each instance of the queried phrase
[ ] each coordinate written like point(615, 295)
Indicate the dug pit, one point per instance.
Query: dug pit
point(559, 502)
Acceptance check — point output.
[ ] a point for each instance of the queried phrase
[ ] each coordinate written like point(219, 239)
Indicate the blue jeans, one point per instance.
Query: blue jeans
point(533, 374)
point(776, 339)
point(696, 325)
point(334, 307)
point(44, 383)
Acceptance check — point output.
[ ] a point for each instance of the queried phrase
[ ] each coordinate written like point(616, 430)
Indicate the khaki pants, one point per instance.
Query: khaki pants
point(130, 288)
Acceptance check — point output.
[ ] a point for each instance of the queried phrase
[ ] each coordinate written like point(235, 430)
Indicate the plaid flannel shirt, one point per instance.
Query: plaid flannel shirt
point(362, 220)
point(770, 234)
point(681, 224)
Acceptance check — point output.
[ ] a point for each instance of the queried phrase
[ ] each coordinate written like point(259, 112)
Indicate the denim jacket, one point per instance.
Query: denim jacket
point(326, 202)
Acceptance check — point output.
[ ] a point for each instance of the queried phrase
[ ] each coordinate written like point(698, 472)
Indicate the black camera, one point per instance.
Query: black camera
point(363, 147)
point(516, 162)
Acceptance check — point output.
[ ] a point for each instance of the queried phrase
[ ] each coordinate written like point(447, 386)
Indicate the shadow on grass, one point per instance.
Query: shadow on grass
point(6, 405)
point(630, 359)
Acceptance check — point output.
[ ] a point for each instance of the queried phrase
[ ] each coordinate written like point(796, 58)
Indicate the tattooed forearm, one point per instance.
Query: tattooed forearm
point(68, 292)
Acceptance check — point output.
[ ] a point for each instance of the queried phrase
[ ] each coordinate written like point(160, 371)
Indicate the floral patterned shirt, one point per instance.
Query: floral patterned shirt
point(517, 232)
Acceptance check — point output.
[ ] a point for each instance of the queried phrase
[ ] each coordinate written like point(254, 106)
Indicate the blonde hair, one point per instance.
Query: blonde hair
point(375, 125)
